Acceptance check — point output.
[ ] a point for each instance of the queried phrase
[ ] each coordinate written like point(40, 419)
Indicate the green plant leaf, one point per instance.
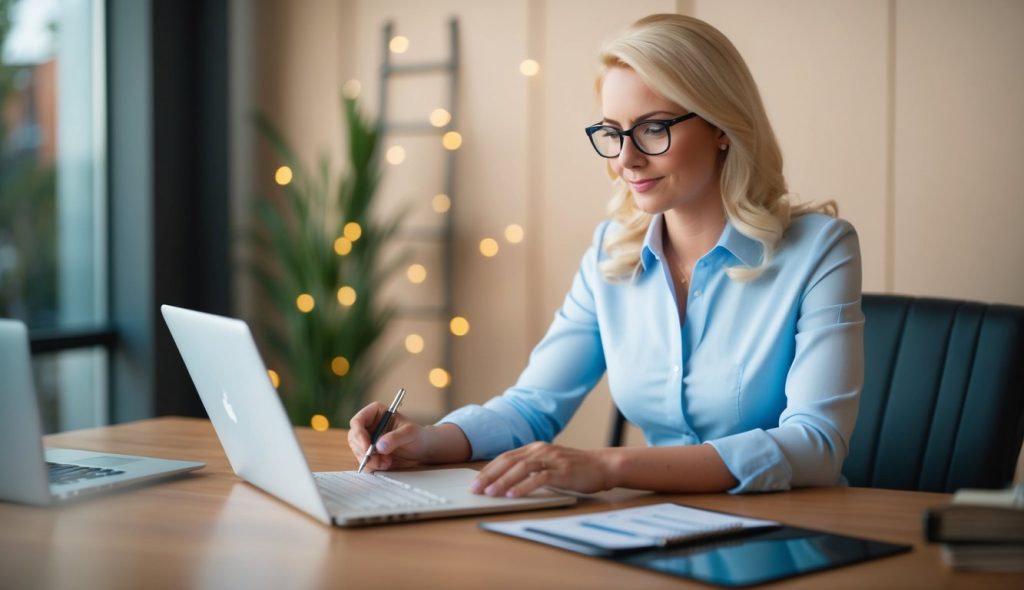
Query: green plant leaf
point(293, 244)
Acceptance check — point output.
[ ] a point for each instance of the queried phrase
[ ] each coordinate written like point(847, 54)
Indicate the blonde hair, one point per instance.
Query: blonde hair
point(692, 64)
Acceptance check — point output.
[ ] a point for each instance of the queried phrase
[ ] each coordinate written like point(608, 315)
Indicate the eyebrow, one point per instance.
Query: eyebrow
point(642, 117)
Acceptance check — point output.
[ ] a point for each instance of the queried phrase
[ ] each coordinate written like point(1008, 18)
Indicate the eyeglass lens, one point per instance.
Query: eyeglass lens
point(651, 138)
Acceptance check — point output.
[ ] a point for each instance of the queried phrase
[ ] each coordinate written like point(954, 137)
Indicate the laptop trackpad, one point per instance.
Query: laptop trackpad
point(106, 461)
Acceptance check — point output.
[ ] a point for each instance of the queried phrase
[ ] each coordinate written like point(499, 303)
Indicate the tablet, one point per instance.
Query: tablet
point(763, 557)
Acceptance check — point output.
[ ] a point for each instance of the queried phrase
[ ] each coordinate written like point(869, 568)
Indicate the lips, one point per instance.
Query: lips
point(642, 186)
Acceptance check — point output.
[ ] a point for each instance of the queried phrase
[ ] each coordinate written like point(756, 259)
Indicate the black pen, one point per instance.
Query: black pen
point(382, 427)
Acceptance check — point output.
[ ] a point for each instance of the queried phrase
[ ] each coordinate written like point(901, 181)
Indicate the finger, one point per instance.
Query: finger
point(356, 448)
point(358, 441)
point(359, 451)
point(536, 480)
point(358, 434)
point(390, 462)
point(378, 463)
point(359, 425)
point(355, 443)
point(492, 471)
point(500, 464)
point(512, 476)
point(401, 463)
point(397, 438)
point(367, 416)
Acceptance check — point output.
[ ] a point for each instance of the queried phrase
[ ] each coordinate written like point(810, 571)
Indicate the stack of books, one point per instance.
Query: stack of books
point(981, 529)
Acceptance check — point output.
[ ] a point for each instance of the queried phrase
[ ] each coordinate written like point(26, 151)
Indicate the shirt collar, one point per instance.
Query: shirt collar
point(652, 249)
point(744, 249)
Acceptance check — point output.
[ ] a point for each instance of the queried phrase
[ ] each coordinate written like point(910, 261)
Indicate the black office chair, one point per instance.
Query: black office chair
point(943, 400)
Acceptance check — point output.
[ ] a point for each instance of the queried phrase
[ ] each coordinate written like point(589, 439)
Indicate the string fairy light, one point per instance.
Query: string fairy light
point(416, 273)
point(346, 296)
point(414, 343)
point(452, 140)
point(305, 303)
point(489, 247)
point(441, 203)
point(439, 378)
point(320, 423)
point(529, 67)
point(398, 44)
point(459, 325)
point(283, 175)
point(514, 233)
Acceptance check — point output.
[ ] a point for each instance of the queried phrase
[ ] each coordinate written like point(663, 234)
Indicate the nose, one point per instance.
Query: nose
point(630, 157)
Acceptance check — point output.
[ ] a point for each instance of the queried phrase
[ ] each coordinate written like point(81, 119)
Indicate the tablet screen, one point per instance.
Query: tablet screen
point(765, 557)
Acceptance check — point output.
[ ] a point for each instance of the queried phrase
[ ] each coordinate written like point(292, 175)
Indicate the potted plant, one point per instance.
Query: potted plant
point(320, 262)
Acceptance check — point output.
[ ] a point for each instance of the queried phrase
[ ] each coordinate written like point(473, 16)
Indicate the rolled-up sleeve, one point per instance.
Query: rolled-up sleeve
point(563, 368)
point(823, 383)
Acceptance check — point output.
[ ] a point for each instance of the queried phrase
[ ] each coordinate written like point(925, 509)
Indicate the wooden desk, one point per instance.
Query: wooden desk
point(210, 530)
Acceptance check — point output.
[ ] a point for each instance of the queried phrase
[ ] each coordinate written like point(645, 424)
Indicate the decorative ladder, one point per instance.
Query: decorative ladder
point(445, 233)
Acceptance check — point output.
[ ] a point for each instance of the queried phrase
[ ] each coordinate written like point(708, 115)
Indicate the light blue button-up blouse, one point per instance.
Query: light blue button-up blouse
point(768, 371)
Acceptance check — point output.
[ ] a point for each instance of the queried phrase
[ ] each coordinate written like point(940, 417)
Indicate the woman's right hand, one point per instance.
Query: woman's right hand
point(406, 444)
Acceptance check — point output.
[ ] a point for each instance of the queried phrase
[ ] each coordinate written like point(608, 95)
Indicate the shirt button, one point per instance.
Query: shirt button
point(675, 369)
point(696, 293)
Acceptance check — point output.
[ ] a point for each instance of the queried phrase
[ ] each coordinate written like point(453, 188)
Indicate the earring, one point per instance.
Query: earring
point(723, 147)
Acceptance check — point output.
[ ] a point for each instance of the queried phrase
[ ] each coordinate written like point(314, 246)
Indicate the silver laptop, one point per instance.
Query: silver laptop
point(34, 475)
point(260, 444)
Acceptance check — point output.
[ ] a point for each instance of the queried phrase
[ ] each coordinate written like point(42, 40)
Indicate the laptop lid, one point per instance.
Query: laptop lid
point(251, 423)
point(21, 448)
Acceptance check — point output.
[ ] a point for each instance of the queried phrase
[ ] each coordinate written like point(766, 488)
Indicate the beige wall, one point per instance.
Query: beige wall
point(822, 67)
point(959, 149)
point(905, 112)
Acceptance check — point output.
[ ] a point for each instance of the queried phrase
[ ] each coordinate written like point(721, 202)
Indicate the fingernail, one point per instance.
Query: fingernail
point(475, 486)
point(383, 446)
point(513, 493)
point(491, 490)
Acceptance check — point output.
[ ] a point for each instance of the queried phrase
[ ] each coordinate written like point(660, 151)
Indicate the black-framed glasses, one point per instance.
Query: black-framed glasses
point(651, 137)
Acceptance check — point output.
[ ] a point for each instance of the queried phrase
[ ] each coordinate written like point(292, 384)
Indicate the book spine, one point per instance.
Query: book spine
point(933, 526)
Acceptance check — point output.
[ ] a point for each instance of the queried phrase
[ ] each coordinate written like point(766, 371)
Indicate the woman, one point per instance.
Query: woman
point(727, 319)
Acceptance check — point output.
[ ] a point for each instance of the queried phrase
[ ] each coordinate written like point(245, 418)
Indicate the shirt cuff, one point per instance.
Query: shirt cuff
point(755, 459)
point(486, 431)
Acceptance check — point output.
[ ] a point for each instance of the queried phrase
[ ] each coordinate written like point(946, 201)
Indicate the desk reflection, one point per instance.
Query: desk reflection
point(22, 565)
point(259, 542)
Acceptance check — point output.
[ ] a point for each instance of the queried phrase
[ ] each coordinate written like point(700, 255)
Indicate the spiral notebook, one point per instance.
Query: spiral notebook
point(630, 529)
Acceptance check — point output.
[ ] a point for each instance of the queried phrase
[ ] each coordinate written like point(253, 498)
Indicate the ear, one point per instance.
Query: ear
point(722, 139)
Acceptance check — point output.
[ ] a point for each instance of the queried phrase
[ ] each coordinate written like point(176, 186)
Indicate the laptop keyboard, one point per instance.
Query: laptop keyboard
point(64, 473)
point(372, 491)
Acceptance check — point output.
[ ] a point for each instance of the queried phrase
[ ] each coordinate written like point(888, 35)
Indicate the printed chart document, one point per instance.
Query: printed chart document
point(630, 529)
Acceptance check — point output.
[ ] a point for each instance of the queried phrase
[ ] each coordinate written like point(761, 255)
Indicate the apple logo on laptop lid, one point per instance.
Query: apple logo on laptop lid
point(228, 407)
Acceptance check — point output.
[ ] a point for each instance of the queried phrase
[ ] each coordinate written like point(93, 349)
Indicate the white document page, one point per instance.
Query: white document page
point(657, 525)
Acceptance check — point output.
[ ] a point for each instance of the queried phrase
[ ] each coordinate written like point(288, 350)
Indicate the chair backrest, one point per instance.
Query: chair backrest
point(943, 400)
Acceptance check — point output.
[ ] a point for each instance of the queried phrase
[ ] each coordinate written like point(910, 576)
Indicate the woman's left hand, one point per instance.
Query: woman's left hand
point(518, 472)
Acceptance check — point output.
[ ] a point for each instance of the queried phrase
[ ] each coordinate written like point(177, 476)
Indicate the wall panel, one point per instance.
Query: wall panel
point(959, 157)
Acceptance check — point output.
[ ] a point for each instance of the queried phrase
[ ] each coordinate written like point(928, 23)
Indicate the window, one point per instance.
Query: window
point(53, 212)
